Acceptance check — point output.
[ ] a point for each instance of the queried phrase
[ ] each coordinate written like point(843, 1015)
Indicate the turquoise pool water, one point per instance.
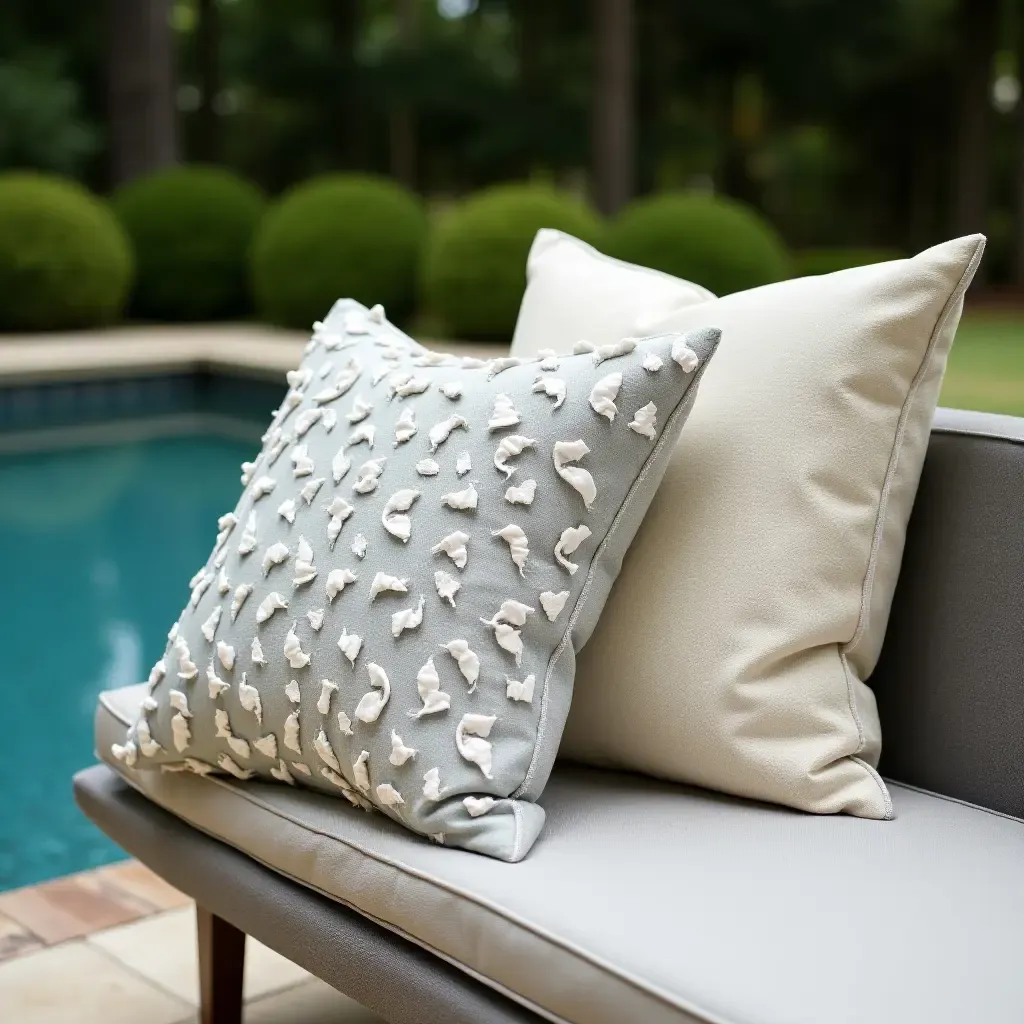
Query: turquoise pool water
point(98, 546)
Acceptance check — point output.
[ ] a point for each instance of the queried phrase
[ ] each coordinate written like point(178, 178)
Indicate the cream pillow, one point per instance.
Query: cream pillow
point(563, 276)
point(750, 609)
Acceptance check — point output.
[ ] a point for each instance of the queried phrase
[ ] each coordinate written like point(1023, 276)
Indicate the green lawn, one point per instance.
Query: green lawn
point(986, 365)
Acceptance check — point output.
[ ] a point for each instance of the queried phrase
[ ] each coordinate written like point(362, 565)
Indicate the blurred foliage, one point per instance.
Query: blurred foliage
point(337, 235)
point(191, 228)
point(41, 122)
point(716, 242)
point(474, 271)
point(834, 119)
point(64, 259)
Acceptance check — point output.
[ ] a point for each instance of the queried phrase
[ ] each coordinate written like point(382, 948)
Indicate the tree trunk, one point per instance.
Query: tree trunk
point(977, 35)
point(403, 123)
point(208, 59)
point(141, 81)
point(613, 143)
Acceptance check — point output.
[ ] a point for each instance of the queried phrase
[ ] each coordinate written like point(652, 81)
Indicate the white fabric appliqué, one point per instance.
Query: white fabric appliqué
point(523, 494)
point(521, 690)
point(463, 464)
point(302, 464)
point(305, 420)
point(572, 537)
point(180, 732)
point(267, 746)
point(302, 769)
point(282, 774)
point(315, 618)
point(209, 627)
point(412, 386)
point(553, 603)
point(342, 384)
point(447, 586)
point(405, 428)
point(286, 510)
point(310, 491)
point(128, 752)
point(329, 420)
point(226, 654)
point(432, 784)
point(263, 487)
point(509, 447)
point(371, 704)
point(242, 591)
point(361, 408)
point(297, 658)
point(503, 363)
point(291, 733)
point(408, 618)
point(360, 774)
point(510, 615)
point(614, 350)
point(451, 389)
point(504, 414)
point(323, 704)
point(273, 602)
point(388, 795)
point(365, 433)
point(305, 570)
point(324, 750)
point(468, 662)
point(344, 724)
point(274, 555)
point(257, 656)
point(383, 583)
point(292, 692)
point(518, 545)
point(367, 476)
point(454, 546)
point(337, 581)
point(247, 471)
point(339, 510)
point(553, 387)
point(350, 645)
point(247, 542)
point(249, 698)
point(148, 746)
point(477, 805)
point(179, 701)
point(563, 454)
point(428, 684)
point(359, 546)
point(157, 673)
point(440, 432)
point(395, 521)
point(549, 361)
point(471, 742)
point(603, 395)
point(427, 467)
point(652, 362)
point(400, 753)
point(684, 356)
point(340, 465)
point(645, 421)
point(582, 347)
point(186, 666)
point(223, 583)
point(201, 587)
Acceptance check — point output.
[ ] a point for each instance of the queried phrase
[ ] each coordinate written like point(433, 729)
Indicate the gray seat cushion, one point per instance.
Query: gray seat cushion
point(653, 902)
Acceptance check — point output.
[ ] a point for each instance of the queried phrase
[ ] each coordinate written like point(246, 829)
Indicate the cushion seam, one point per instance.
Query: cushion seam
point(505, 915)
point(867, 584)
point(598, 555)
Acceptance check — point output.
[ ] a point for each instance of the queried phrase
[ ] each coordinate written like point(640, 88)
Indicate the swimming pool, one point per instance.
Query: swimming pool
point(98, 546)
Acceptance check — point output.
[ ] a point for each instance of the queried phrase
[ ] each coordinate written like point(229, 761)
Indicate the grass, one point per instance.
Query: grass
point(986, 365)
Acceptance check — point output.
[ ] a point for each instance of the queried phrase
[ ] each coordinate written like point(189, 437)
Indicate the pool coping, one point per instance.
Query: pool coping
point(238, 349)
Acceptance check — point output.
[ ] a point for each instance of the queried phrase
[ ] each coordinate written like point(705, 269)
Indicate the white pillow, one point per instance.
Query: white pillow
point(733, 649)
point(563, 274)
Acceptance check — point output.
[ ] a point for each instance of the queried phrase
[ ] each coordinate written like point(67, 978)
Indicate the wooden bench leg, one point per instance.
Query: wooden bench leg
point(221, 968)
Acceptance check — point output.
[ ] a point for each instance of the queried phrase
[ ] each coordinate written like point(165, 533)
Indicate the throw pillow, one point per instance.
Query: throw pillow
point(392, 611)
point(752, 606)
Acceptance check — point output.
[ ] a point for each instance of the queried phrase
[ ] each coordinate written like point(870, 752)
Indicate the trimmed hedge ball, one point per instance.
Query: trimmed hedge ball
point(191, 228)
point(65, 262)
point(474, 274)
point(717, 242)
point(338, 236)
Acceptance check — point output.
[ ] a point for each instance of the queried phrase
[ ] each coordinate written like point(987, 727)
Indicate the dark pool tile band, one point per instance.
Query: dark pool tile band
point(88, 402)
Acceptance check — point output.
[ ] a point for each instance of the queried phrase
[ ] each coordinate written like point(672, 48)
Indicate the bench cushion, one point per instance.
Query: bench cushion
point(705, 908)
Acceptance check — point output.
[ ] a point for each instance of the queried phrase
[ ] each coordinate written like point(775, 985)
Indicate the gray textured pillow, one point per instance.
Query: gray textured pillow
point(392, 611)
